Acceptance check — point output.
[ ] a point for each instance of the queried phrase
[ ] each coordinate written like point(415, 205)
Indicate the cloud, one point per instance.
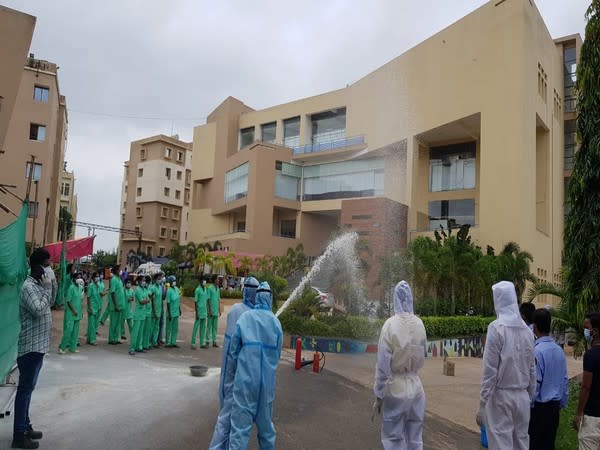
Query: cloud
point(180, 59)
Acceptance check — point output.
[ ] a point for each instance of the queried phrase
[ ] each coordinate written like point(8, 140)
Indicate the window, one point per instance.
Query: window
point(452, 167)
point(140, 173)
point(149, 250)
point(175, 214)
point(139, 192)
point(246, 136)
point(236, 183)
point(33, 210)
point(173, 233)
point(453, 213)
point(542, 82)
point(240, 227)
point(186, 196)
point(570, 74)
point(287, 228)
point(167, 192)
point(163, 232)
point(168, 152)
point(37, 132)
point(291, 132)
point(168, 173)
point(138, 211)
point(267, 132)
point(161, 251)
point(287, 180)
point(328, 126)
point(37, 171)
point(164, 212)
point(186, 235)
point(360, 178)
point(143, 154)
point(179, 174)
point(138, 229)
point(188, 176)
point(180, 156)
point(177, 195)
point(40, 94)
point(65, 188)
point(570, 143)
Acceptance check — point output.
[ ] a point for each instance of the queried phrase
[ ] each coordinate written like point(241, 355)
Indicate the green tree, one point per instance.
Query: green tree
point(246, 265)
point(65, 224)
point(177, 253)
point(514, 266)
point(104, 259)
point(203, 261)
point(222, 264)
point(189, 251)
point(582, 233)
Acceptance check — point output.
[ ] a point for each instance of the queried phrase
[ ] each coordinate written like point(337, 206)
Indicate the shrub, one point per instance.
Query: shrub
point(233, 293)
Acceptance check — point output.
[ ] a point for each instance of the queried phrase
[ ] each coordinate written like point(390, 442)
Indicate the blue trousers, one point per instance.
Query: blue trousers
point(29, 368)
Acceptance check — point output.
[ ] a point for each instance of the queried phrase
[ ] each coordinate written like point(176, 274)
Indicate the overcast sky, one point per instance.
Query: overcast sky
point(121, 60)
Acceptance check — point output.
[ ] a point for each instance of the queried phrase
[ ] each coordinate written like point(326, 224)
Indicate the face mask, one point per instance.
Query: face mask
point(143, 284)
point(174, 283)
point(128, 285)
point(96, 279)
point(203, 282)
point(587, 333)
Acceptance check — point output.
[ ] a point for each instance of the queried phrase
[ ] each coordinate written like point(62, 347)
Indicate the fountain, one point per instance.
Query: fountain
point(339, 254)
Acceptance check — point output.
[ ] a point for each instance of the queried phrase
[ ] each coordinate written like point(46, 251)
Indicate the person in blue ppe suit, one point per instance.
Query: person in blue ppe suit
point(399, 395)
point(221, 434)
point(254, 352)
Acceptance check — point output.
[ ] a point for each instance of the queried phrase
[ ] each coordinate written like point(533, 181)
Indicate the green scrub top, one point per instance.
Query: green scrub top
point(140, 310)
point(214, 296)
point(200, 297)
point(173, 298)
point(116, 289)
point(94, 301)
point(157, 300)
point(149, 291)
point(74, 295)
point(129, 306)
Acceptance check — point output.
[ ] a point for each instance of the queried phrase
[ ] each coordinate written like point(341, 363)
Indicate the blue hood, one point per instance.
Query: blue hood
point(264, 296)
point(249, 292)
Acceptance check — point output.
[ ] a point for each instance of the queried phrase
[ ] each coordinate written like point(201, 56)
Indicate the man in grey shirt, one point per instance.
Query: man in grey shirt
point(34, 341)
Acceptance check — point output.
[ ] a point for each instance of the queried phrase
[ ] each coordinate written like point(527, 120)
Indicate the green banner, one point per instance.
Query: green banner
point(13, 271)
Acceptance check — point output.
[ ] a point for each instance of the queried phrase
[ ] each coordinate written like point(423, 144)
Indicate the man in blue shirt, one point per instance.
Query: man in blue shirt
point(551, 393)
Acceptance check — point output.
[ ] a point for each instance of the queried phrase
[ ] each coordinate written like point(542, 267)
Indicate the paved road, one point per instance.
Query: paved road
point(102, 398)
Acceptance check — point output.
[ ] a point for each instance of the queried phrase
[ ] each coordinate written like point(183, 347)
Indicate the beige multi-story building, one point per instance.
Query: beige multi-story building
point(155, 196)
point(35, 137)
point(68, 198)
point(468, 127)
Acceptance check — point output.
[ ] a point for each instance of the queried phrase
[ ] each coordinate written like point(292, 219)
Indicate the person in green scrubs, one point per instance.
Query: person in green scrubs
point(200, 299)
point(173, 311)
point(94, 304)
point(72, 316)
point(139, 317)
point(116, 294)
point(214, 311)
point(129, 305)
point(102, 293)
point(148, 321)
point(156, 310)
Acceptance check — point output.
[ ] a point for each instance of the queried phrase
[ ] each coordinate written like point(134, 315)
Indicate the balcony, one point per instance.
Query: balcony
point(331, 145)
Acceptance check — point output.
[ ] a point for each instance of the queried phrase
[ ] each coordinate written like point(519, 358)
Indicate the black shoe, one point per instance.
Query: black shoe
point(118, 342)
point(124, 337)
point(32, 434)
point(204, 346)
point(25, 442)
point(175, 346)
point(215, 345)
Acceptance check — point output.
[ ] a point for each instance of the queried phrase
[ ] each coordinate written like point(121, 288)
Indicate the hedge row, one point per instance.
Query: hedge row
point(366, 329)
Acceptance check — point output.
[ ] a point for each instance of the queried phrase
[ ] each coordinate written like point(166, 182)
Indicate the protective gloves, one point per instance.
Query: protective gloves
point(480, 417)
point(376, 408)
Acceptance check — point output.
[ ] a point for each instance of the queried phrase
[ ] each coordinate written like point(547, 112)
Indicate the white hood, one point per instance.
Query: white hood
point(506, 305)
point(403, 298)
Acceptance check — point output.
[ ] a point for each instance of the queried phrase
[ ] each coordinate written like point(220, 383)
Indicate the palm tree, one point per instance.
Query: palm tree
point(223, 264)
point(514, 266)
point(245, 265)
point(203, 261)
point(177, 253)
point(190, 251)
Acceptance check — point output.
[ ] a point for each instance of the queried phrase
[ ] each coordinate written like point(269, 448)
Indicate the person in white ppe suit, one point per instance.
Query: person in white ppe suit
point(398, 390)
point(508, 378)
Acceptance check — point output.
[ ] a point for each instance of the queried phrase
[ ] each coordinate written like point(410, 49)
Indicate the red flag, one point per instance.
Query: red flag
point(76, 248)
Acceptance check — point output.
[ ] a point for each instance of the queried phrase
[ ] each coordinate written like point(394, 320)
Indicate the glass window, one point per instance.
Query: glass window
point(240, 227)
point(267, 132)
point(37, 132)
point(138, 211)
point(453, 213)
point(452, 167)
point(362, 178)
point(328, 126)
point(173, 233)
point(179, 174)
point(65, 188)
point(246, 136)
point(570, 74)
point(33, 210)
point(149, 250)
point(167, 191)
point(287, 228)
point(161, 251)
point(175, 214)
point(177, 195)
point(164, 212)
point(40, 94)
point(140, 173)
point(168, 173)
point(139, 192)
point(291, 132)
point(168, 152)
point(37, 171)
point(570, 143)
point(143, 154)
point(236, 183)
point(287, 180)
point(180, 156)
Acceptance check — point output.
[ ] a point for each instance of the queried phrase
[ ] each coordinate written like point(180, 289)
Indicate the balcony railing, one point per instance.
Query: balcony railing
point(331, 145)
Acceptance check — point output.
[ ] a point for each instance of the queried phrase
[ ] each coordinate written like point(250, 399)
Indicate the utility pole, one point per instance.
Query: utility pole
point(37, 210)
point(46, 221)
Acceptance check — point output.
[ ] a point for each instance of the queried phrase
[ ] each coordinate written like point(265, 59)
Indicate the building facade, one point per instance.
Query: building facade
point(472, 126)
point(35, 141)
point(68, 198)
point(155, 197)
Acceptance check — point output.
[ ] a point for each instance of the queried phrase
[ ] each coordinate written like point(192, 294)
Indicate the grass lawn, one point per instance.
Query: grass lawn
point(566, 437)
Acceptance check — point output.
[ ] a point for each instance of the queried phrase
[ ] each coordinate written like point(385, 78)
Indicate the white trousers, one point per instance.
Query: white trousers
point(589, 433)
point(507, 419)
point(402, 427)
